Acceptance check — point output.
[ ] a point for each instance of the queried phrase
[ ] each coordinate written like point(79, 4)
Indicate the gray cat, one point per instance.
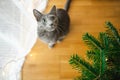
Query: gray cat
point(54, 26)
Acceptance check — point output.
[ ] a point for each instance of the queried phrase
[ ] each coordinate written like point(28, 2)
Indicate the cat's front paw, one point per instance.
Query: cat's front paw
point(51, 45)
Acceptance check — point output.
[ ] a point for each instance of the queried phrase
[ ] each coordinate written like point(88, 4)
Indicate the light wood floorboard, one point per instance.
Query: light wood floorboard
point(89, 16)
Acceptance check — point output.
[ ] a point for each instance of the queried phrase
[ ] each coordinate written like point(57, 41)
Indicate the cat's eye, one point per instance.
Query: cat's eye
point(52, 17)
point(43, 20)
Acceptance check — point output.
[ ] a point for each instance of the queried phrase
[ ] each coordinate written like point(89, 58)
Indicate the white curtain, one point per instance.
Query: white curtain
point(17, 34)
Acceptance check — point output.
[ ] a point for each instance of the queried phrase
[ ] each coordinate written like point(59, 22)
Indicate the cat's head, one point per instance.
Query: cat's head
point(48, 21)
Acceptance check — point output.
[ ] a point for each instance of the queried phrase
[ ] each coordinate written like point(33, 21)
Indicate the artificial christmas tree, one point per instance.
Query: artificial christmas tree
point(104, 52)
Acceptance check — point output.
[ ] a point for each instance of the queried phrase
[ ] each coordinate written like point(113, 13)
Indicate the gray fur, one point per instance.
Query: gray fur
point(52, 27)
point(66, 7)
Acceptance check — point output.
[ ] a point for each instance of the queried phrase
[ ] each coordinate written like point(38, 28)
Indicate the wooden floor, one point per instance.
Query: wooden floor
point(43, 63)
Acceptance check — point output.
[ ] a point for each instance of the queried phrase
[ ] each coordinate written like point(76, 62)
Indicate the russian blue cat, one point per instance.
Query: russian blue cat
point(53, 26)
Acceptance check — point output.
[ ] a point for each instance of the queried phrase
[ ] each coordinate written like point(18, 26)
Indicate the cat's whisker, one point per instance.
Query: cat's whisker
point(57, 30)
point(60, 29)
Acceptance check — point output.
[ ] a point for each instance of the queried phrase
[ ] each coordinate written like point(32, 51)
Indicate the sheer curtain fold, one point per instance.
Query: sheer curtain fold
point(17, 34)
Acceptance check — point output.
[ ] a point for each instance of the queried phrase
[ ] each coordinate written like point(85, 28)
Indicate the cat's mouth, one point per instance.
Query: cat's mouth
point(51, 29)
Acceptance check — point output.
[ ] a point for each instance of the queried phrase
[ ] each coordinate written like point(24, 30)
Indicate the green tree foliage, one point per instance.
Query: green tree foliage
point(104, 52)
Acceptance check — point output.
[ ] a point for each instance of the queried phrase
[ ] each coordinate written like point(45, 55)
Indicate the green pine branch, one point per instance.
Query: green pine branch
point(113, 31)
point(104, 40)
point(77, 62)
point(91, 41)
point(102, 63)
point(105, 55)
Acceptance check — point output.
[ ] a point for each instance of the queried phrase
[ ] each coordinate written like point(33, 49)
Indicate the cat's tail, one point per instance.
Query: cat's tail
point(67, 5)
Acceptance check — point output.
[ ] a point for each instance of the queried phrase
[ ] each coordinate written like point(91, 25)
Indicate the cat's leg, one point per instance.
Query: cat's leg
point(60, 39)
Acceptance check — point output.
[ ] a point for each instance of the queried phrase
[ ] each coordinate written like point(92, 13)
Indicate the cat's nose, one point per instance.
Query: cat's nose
point(51, 24)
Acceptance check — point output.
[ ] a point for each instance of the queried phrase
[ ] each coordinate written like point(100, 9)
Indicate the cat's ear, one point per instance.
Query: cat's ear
point(37, 14)
point(53, 10)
